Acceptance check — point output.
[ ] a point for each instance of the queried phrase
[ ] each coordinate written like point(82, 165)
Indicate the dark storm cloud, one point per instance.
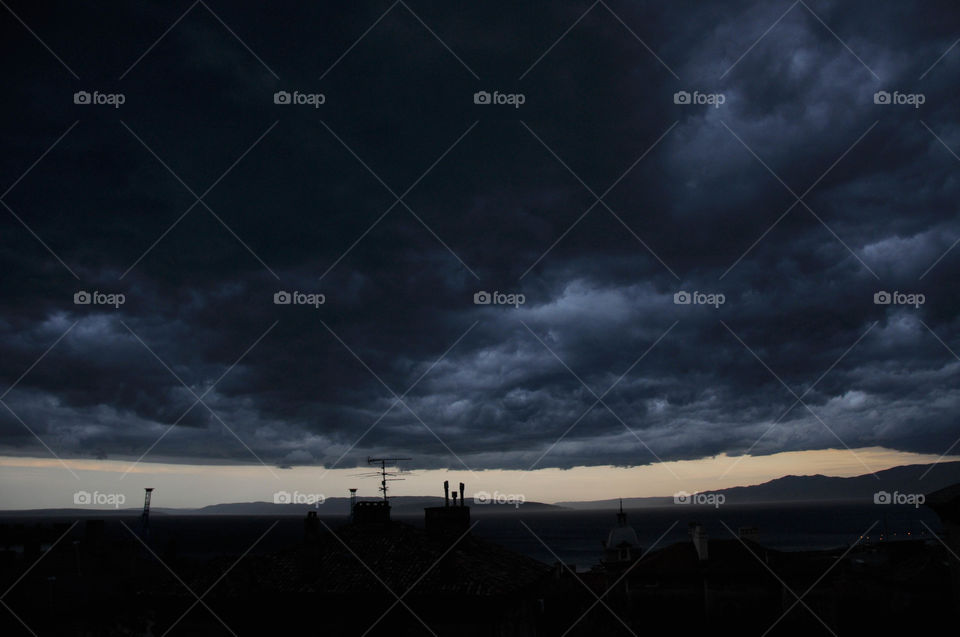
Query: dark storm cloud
point(599, 354)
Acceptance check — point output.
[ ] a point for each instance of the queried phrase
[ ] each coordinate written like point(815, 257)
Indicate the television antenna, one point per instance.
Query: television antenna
point(386, 476)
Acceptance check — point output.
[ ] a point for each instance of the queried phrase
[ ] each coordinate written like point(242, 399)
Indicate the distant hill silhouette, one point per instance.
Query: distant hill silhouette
point(816, 488)
point(400, 505)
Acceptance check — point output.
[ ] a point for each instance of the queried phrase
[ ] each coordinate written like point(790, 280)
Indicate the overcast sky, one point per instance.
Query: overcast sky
point(819, 169)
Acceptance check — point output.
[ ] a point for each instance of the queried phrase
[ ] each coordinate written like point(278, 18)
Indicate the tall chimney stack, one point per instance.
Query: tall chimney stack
point(448, 519)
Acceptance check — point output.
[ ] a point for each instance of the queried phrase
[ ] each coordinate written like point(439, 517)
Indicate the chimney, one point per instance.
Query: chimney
point(700, 542)
point(311, 527)
point(447, 519)
point(353, 502)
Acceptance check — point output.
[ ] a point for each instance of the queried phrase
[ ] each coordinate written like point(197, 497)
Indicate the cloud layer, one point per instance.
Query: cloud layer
point(598, 199)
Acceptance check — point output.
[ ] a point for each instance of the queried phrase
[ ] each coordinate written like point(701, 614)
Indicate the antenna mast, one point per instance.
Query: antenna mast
point(386, 476)
point(145, 516)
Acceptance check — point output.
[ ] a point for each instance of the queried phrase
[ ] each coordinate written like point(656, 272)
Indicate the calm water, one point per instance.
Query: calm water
point(573, 536)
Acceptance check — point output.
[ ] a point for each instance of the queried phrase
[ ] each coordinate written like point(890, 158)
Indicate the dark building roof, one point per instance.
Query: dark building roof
point(399, 555)
point(733, 559)
point(726, 556)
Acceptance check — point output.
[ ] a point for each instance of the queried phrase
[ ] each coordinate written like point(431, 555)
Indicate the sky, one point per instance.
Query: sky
point(517, 239)
point(41, 483)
